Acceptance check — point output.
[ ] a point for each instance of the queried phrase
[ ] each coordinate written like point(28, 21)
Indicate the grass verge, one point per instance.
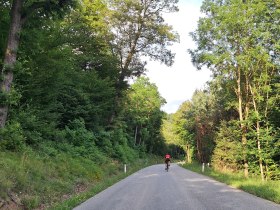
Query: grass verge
point(39, 179)
point(102, 185)
point(269, 190)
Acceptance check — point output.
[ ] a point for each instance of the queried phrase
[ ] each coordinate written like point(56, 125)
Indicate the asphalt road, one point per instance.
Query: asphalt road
point(153, 188)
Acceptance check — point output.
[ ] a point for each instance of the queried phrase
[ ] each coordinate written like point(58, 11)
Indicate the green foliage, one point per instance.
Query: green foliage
point(51, 177)
point(115, 144)
point(77, 134)
point(143, 115)
point(137, 29)
point(32, 127)
point(193, 125)
point(269, 142)
point(243, 55)
point(104, 142)
point(46, 175)
point(227, 153)
point(11, 137)
point(4, 22)
point(66, 80)
point(100, 186)
point(9, 98)
point(64, 75)
point(125, 154)
point(69, 81)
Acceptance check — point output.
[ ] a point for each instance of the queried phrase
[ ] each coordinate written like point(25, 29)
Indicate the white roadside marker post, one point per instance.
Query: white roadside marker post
point(203, 164)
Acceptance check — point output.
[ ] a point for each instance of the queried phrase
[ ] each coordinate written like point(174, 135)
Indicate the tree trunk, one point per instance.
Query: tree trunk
point(270, 72)
point(10, 57)
point(259, 150)
point(198, 142)
point(135, 136)
point(131, 52)
point(258, 133)
point(242, 125)
point(188, 149)
point(125, 62)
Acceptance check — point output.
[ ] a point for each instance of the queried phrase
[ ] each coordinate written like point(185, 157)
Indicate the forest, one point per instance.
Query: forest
point(233, 123)
point(75, 103)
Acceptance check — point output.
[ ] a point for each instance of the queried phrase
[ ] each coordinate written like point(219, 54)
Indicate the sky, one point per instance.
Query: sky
point(177, 83)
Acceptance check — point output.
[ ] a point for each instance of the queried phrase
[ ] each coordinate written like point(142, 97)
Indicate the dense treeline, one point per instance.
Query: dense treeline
point(65, 72)
point(68, 65)
point(66, 103)
point(234, 122)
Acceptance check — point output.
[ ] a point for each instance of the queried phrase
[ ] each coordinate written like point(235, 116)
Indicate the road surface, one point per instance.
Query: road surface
point(153, 188)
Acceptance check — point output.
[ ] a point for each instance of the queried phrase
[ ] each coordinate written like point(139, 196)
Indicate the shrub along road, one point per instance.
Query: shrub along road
point(153, 188)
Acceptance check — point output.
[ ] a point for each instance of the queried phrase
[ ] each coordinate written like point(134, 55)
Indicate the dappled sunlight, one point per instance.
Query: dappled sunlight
point(231, 190)
point(202, 180)
point(195, 180)
point(150, 175)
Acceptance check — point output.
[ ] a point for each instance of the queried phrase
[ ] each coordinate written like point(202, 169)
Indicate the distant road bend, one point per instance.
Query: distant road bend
point(153, 188)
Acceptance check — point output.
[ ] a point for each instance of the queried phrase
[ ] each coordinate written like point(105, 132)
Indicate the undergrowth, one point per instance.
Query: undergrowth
point(103, 184)
point(47, 176)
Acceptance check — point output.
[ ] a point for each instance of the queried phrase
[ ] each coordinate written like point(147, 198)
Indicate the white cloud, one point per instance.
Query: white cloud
point(178, 83)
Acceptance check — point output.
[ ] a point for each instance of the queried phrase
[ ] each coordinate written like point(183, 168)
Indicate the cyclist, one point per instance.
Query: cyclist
point(167, 160)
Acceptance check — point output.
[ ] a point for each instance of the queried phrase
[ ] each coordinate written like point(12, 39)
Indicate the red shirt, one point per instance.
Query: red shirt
point(167, 156)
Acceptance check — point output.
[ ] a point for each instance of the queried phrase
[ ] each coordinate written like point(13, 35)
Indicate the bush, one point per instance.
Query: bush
point(11, 137)
point(125, 153)
point(227, 153)
point(104, 142)
point(31, 126)
point(77, 134)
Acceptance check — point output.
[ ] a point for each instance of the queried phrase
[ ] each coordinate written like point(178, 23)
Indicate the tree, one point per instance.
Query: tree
point(4, 22)
point(21, 11)
point(183, 127)
point(67, 70)
point(138, 30)
point(206, 117)
point(143, 114)
point(227, 154)
point(237, 41)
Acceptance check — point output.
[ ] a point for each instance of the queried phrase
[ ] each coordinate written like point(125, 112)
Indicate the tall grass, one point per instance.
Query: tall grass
point(105, 183)
point(41, 179)
point(269, 190)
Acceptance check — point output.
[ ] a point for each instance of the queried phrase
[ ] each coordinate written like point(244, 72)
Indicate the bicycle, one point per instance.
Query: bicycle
point(167, 165)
